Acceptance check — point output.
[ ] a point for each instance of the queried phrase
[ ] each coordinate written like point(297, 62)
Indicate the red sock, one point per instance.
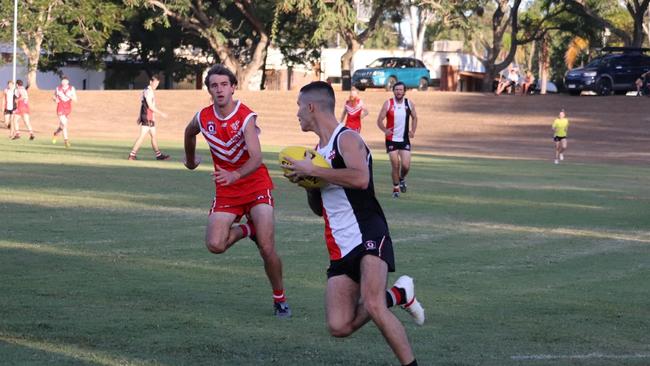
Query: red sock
point(278, 296)
point(248, 229)
point(399, 299)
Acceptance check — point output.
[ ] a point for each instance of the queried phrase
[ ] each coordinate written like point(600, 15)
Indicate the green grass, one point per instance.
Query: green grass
point(517, 262)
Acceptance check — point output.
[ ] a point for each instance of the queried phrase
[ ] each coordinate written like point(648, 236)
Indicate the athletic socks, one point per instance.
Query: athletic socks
point(395, 296)
point(278, 296)
point(414, 363)
point(248, 229)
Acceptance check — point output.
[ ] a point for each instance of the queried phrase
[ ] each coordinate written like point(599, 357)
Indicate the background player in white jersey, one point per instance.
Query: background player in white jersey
point(401, 123)
point(147, 120)
point(242, 182)
point(9, 106)
point(64, 95)
point(356, 233)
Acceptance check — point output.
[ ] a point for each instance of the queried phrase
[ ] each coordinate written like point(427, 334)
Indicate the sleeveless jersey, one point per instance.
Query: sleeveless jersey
point(352, 216)
point(64, 97)
point(353, 118)
point(22, 101)
point(225, 137)
point(10, 99)
point(146, 113)
point(398, 118)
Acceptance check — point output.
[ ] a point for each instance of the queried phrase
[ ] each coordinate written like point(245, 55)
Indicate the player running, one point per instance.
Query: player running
point(242, 182)
point(146, 120)
point(401, 122)
point(356, 231)
point(22, 110)
point(64, 95)
point(560, 128)
point(353, 111)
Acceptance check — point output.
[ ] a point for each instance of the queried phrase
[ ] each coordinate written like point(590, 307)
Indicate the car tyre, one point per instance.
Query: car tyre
point(604, 87)
point(423, 85)
point(360, 88)
point(574, 92)
point(391, 81)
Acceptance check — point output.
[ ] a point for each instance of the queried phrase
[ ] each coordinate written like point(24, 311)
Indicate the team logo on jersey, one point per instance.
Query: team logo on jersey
point(211, 127)
point(235, 125)
point(370, 245)
point(331, 155)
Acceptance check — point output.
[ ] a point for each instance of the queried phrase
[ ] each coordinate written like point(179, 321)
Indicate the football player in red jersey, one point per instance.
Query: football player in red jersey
point(242, 182)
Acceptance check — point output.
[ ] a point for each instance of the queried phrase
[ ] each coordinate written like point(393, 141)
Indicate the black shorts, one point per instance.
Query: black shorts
point(9, 111)
point(394, 146)
point(147, 123)
point(558, 138)
point(350, 265)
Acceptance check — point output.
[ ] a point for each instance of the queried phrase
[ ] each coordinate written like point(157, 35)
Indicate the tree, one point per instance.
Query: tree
point(637, 10)
point(236, 31)
point(57, 26)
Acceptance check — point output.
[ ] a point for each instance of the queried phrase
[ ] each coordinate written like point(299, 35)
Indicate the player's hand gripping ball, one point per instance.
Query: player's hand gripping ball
point(302, 153)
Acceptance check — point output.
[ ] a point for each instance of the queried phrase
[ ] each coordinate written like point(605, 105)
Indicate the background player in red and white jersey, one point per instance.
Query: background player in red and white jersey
point(22, 110)
point(242, 183)
point(64, 95)
point(9, 106)
point(356, 231)
point(401, 122)
point(147, 122)
point(353, 111)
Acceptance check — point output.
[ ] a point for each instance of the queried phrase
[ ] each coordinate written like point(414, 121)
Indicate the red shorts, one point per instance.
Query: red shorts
point(23, 108)
point(242, 205)
point(63, 109)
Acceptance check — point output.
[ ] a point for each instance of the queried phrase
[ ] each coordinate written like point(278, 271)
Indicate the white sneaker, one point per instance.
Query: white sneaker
point(561, 156)
point(556, 161)
point(412, 305)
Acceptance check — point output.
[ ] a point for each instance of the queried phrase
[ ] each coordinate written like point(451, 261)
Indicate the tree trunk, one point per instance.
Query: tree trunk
point(346, 62)
point(33, 55)
point(543, 65)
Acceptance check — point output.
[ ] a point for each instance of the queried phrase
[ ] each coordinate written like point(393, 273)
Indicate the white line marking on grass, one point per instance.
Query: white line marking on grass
point(595, 355)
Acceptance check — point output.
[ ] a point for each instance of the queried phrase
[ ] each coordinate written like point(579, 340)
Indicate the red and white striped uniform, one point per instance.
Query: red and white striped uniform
point(22, 101)
point(64, 99)
point(353, 118)
point(225, 137)
point(398, 118)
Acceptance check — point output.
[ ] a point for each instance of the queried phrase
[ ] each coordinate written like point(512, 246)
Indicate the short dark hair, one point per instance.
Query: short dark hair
point(154, 77)
point(326, 99)
point(65, 77)
point(398, 84)
point(219, 69)
point(19, 82)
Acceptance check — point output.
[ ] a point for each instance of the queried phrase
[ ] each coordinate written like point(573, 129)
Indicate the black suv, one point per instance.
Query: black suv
point(616, 71)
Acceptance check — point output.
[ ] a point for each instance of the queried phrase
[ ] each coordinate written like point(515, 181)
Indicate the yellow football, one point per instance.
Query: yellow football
point(300, 153)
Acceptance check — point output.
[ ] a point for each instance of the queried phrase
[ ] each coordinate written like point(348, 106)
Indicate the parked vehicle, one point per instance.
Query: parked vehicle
point(615, 71)
point(386, 71)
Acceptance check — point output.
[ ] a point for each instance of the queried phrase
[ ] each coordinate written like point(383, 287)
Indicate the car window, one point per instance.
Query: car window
point(419, 63)
point(404, 63)
point(377, 63)
point(595, 63)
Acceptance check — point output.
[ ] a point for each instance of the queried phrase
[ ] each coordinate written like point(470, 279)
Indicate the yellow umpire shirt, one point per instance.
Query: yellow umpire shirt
point(561, 125)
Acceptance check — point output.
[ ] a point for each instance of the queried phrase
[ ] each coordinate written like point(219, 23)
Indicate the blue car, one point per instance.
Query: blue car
point(386, 71)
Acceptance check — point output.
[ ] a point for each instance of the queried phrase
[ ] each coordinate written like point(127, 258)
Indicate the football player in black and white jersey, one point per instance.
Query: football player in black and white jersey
point(356, 231)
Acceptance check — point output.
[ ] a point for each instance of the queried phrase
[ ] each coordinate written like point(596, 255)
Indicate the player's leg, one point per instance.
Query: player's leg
point(144, 130)
point(63, 125)
point(374, 274)
point(29, 125)
point(393, 156)
point(563, 147)
point(219, 234)
point(343, 310)
point(405, 167)
point(263, 217)
point(154, 144)
point(13, 131)
point(558, 146)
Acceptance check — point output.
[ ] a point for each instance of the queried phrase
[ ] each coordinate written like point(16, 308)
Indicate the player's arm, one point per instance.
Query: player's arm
point(414, 120)
point(382, 117)
point(315, 201)
point(192, 129)
point(356, 174)
point(148, 96)
point(364, 110)
point(73, 95)
point(254, 161)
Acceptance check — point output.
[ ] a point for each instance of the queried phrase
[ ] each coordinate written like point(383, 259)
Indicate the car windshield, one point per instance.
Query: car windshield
point(595, 63)
point(382, 62)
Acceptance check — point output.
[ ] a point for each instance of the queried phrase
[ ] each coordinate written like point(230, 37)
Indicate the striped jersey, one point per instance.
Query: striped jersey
point(64, 96)
point(352, 216)
point(225, 138)
point(353, 118)
point(398, 118)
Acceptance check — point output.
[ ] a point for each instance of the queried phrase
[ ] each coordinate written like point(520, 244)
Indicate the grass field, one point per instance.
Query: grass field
point(517, 262)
